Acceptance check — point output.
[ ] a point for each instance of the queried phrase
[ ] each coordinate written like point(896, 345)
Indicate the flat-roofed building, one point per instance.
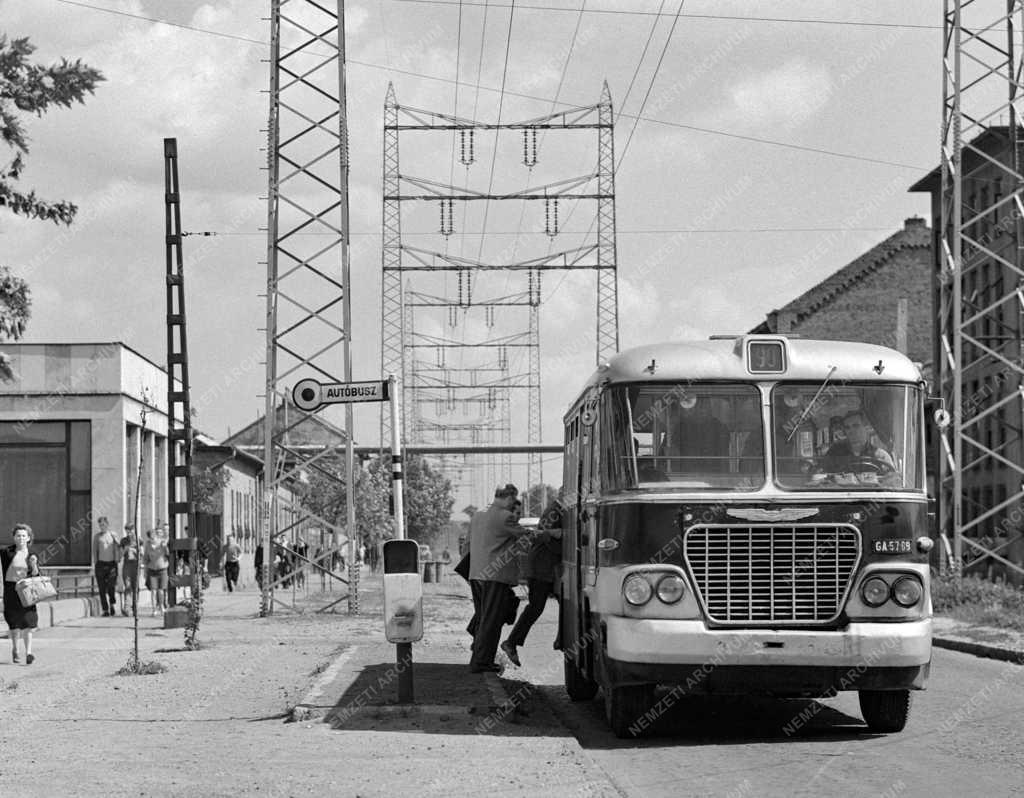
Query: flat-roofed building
point(72, 441)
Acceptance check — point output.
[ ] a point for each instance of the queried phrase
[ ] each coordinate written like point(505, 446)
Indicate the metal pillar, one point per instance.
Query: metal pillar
point(979, 369)
point(181, 517)
point(392, 313)
point(534, 462)
point(607, 262)
point(308, 309)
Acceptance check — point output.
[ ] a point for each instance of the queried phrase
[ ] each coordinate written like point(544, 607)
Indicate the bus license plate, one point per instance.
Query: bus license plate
point(891, 546)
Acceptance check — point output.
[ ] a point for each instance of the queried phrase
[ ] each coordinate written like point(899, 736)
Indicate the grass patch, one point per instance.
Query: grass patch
point(139, 668)
point(979, 601)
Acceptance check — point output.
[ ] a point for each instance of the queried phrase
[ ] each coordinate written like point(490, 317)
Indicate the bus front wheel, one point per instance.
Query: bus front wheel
point(577, 685)
point(626, 707)
point(885, 711)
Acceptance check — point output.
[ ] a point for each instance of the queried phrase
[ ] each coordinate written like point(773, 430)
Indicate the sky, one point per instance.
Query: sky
point(771, 151)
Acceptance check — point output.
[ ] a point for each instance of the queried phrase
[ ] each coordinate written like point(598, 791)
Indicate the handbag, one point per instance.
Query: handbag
point(34, 589)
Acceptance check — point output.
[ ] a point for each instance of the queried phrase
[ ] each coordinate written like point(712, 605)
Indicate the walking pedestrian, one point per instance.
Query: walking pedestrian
point(541, 572)
point(106, 554)
point(232, 553)
point(493, 567)
point(156, 558)
point(18, 562)
point(130, 565)
point(257, 563)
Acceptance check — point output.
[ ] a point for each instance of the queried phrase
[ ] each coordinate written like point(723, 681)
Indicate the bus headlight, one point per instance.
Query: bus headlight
point(671, 588)
point(637, 590)
point(907, 591)
point(875, 591)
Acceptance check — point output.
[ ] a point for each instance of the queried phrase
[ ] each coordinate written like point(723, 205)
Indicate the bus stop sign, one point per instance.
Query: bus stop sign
point(309, 394)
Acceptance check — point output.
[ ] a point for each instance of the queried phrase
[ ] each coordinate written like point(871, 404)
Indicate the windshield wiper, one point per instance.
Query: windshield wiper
point(810, 404)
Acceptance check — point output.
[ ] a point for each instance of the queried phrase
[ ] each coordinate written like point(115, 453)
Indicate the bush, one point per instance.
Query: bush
point(979, 601)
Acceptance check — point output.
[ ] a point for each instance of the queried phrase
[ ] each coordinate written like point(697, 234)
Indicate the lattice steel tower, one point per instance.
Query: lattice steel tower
point(978, 358)
point(399, 340)
point(308, 301)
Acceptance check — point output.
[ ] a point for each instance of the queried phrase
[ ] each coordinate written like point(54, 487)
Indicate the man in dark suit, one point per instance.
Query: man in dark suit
point(493, 572)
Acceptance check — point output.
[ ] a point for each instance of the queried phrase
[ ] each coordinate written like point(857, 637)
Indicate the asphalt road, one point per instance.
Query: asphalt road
point(173, 733)
point(965, 736)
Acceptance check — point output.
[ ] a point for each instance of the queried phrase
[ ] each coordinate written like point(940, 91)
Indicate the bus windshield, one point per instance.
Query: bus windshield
point(847, 436)
point(691, 435)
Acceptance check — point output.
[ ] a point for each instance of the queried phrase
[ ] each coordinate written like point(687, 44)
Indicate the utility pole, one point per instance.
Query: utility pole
point(180, 507)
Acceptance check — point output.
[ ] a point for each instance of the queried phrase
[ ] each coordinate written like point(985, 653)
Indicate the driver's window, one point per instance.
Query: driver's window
point(844, 435)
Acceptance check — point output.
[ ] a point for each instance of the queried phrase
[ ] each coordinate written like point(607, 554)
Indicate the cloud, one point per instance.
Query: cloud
point(787, 95)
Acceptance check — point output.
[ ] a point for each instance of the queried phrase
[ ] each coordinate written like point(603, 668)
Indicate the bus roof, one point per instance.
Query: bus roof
point(725, 358)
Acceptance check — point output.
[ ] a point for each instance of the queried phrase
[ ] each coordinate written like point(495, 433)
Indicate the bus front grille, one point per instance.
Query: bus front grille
point(754, 574)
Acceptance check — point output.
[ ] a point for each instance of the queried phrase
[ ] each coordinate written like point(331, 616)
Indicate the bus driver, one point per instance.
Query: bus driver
point(856, 453)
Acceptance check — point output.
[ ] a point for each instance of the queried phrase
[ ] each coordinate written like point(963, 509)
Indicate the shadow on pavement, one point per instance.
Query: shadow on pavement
point(721, 720)
point(448, 699)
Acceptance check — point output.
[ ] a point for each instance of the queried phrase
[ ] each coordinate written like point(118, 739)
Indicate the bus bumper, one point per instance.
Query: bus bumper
point(803, 661)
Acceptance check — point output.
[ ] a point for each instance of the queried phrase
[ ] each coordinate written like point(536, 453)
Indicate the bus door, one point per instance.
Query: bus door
point(586, 526)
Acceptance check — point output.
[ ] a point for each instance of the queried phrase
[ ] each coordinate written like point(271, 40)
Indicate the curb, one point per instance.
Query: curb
point(310, 707)
point(980, 649)
point(314, 704)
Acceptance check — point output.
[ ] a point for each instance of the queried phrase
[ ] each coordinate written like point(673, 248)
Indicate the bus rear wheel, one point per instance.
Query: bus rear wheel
point(885, 711)
point(577, 685)
point(625, 707)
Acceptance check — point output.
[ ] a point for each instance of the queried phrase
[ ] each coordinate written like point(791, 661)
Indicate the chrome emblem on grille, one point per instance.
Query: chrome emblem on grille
point(760, 514)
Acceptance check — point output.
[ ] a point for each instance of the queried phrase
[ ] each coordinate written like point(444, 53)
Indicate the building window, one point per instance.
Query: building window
point(46, 476)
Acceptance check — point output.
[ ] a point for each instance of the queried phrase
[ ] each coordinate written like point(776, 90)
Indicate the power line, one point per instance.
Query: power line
point(554, 103)
point(787, 145)
point(650, 85)
point(164, 22)
point(636, 119)
point(723, 17)
point(501, 102)
point(508, 92)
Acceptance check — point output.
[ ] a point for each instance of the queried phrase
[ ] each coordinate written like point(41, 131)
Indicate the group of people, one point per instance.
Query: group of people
point(288, 565)
point(119, 563)
point(495, 542)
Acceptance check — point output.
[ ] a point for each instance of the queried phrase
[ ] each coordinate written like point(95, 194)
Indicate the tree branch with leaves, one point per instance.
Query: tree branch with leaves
point(28, 88)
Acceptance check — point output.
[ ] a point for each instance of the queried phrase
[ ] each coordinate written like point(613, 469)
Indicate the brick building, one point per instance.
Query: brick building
point(861, 301)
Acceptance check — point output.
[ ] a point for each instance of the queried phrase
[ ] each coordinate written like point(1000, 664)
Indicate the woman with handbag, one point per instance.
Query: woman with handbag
point(17, 562)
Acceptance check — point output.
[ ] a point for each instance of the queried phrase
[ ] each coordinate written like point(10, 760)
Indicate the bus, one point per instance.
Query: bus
point(747, 514)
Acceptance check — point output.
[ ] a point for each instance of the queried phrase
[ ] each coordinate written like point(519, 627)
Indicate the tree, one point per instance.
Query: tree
point(470, 510)
point(208, 489)
point(325, 496)
point(27, 88)
point(428, 501)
